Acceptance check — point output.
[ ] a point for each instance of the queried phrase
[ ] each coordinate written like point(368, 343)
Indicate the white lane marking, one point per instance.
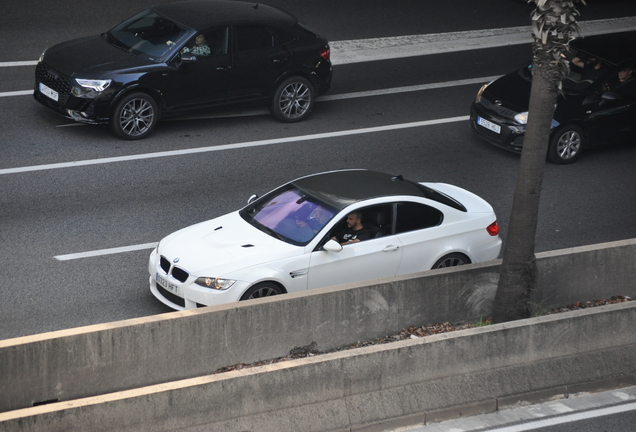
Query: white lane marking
point(406, 89)
point(18, 63)
point(364, 50)
point(247, 144)
point(16, 93)
point(101, 252)
point(569, 418)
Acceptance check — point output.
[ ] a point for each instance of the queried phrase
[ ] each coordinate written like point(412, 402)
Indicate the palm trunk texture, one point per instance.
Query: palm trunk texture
point(553, 25)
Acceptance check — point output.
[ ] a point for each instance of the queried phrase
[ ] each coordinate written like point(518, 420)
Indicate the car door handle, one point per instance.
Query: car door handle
point(298, 273)
point(279, 60)
point(390, 248)
point(220, 68)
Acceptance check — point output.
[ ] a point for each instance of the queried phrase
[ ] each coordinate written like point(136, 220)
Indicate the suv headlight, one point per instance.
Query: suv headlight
point(94, 85)
point(215, 283)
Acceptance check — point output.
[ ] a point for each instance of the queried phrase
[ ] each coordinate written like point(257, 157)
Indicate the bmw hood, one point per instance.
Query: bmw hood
point(223, 245)
point(90, 56)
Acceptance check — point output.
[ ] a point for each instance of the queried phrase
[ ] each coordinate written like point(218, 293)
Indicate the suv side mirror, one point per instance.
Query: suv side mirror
point(187, 58)
point(251, 199)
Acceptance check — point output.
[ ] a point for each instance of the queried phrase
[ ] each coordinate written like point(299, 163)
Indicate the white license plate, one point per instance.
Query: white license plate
point(49, 92)
point(166, 284)
point(489, 125)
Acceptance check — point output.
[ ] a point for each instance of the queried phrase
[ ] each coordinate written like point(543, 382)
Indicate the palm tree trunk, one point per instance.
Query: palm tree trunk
point(553, 25)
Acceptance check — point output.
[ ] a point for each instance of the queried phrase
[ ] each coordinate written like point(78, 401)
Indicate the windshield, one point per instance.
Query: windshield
point(147, 35)
point(289, 214)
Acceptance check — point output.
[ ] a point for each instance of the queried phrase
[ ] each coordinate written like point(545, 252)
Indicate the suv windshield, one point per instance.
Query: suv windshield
point(289, 214)
point(147, 35)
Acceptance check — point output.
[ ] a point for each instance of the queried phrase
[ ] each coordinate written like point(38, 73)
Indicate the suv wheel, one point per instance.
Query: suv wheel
point(134, 116)
point(293, 99)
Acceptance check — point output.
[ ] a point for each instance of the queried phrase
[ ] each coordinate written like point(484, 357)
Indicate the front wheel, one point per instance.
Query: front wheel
point(293, 100)
point(263, 289)
point(566, 145)
point(135, 116)
point(451, 260)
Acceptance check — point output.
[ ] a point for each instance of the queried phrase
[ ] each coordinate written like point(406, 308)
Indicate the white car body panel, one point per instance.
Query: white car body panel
point(228, 247)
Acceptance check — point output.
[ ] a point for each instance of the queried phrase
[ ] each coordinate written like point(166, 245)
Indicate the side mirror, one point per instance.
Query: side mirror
point(332, 246)
point(251, 199)
point(187, 58)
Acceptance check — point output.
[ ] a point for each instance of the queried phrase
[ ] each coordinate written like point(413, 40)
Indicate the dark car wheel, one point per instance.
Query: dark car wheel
point(263, 289)
point(566, 145)
point(451, 260)
point(135, 116)
point(293, 99)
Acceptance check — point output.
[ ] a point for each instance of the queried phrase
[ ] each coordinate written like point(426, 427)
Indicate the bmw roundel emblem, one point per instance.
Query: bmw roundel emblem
point(176, 260)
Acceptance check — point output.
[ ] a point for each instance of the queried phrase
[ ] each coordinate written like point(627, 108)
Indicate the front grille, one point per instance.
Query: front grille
point(178, 273)
point(55, 80)
point(165, 265)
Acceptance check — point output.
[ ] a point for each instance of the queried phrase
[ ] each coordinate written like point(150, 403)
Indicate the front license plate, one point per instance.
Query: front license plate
point(166, 284)
point(489, 125)
point(49, 92)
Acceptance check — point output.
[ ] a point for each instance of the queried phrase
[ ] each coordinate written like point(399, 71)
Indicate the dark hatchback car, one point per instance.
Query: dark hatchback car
point(594, 109)
point(186, 56)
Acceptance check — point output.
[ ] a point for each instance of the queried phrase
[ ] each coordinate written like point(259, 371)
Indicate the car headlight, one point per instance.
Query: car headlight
point(94, 85)
point(481, 91)
point(215, 283)
point(522, 118)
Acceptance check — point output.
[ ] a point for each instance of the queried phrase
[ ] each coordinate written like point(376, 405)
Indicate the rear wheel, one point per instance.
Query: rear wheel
point(451, 260)
point(135, 116)
point(293, 99)
point(566, 145)
point(263, 289)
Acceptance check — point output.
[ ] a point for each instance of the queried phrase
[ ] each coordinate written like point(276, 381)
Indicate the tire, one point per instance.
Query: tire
point(566, 145)
point(293, 100)
point(261, 290)
point(451, 260)
point(134, 116)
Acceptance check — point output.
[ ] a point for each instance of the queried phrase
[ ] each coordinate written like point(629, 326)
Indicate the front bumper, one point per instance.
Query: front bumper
point(509, 136)
point(187, 295)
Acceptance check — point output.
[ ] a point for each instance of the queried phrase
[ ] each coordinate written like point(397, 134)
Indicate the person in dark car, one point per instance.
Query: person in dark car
point(618, 84)
point(200, 48)
point(592, 68)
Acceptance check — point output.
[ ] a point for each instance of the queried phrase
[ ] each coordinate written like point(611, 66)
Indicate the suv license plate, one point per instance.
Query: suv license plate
point(49, 92)
point(489, 125)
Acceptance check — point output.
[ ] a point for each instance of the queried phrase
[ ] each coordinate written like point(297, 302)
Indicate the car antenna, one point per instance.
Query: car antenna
point(255, 6)
point(397, 178)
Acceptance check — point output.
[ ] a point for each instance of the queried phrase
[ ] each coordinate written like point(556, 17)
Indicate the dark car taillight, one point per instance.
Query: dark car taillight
point(325, 53)
point(493, 228)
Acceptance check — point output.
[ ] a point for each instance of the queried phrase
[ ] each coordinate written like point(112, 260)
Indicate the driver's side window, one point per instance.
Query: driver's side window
point(364, 224)
point(208, 43)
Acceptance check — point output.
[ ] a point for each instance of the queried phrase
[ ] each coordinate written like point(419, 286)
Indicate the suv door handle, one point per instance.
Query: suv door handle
point(390, 248)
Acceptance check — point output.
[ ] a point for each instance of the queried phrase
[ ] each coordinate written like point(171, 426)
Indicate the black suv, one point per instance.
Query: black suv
point(184, 56)
point(597, 106)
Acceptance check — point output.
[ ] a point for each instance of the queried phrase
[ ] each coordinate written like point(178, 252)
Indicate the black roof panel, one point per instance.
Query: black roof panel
point(202, 14)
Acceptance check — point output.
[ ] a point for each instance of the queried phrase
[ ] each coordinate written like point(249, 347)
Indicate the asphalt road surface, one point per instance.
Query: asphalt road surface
point(80, 209)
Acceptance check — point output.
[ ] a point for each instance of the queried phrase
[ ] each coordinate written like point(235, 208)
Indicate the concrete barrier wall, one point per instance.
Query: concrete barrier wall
point(78, 363)
point(371, 388)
